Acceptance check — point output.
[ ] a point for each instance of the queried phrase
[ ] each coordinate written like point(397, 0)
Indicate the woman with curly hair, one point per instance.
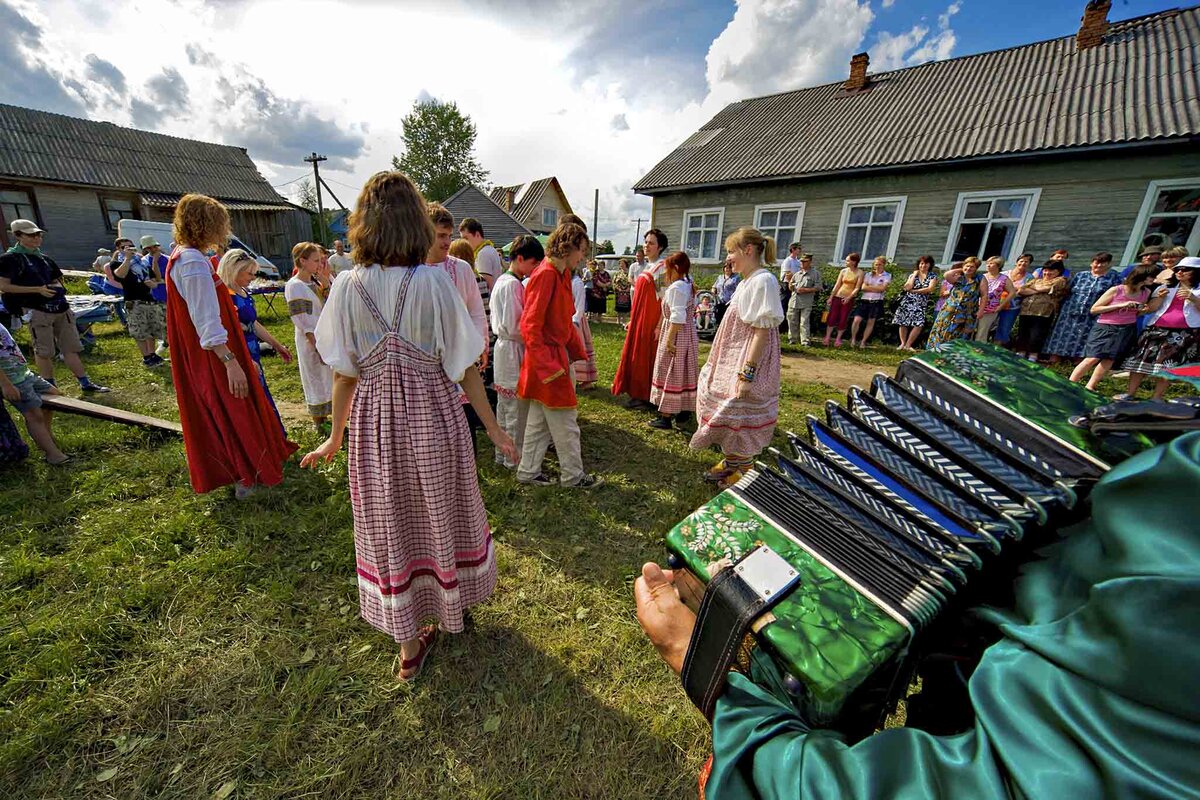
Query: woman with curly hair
point(230, 430)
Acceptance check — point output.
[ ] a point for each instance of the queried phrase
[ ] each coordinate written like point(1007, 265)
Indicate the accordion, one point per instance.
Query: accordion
point(916, 497)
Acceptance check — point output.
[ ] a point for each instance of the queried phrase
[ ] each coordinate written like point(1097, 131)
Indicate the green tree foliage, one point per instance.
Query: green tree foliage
point(439, 143)
point(605, 248)
point(306, 195)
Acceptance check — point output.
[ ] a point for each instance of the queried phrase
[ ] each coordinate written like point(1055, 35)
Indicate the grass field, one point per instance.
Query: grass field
point(156, 643)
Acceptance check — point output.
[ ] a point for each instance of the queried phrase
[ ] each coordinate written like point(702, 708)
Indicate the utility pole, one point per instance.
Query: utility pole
point(315, 159)
point(595, 223)
point(637, 237)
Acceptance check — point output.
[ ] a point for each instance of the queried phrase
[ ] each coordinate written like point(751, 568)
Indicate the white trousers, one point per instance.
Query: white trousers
point(511, 413)
point(542, 426)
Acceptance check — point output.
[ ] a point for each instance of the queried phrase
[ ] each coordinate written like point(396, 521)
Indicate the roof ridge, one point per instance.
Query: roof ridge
point(141, 131)
point(1125, 22)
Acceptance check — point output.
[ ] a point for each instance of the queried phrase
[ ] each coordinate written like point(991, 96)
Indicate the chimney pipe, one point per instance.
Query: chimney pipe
point(1094, 24)
point(858, 73)
point(509, 196)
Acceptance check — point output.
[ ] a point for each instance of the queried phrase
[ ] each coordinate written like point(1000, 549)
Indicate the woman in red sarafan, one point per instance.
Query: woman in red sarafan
point(636, 368)
point(230, 431)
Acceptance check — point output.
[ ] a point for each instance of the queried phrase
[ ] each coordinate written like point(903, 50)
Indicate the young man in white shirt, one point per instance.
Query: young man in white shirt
point(488, 263)
point(508, 301)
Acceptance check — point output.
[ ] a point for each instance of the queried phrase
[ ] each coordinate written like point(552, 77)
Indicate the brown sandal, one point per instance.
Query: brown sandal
point(427, 637)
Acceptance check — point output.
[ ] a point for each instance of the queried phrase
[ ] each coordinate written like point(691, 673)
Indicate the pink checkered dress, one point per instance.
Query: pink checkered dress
point(421, 535)
point(673, 387)
point(584, 370)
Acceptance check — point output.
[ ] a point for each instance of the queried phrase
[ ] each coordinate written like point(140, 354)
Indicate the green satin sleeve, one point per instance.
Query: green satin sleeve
point(1091, 692)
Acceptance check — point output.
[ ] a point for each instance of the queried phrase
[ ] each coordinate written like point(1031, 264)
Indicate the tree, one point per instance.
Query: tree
point(439, 143)
point(605, 248)
point(628, 251)
point(306, 195)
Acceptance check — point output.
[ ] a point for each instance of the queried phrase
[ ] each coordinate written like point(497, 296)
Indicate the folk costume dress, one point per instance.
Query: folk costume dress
point(742, 426)
point(636, 367)
point(508, 301)
point(1075, 318)
point(421, 537)
point(1089, 691)
point(248, 315)
point(584, 369)
point(673, 388)
point(227, 439)
point(304, 306)
point(957, 318)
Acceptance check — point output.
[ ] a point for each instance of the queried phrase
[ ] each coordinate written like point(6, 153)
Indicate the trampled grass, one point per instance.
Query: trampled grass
point(156, 643)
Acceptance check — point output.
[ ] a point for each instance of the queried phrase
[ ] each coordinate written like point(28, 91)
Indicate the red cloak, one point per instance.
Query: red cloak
point(636, 368)
point(551, 340)
point(226, 439)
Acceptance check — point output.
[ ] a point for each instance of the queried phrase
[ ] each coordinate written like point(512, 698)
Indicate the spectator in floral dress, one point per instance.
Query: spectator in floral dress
point(1075, 319)
point(399, 339)
point(914, 304)
point(996, 291)
point(959, 315)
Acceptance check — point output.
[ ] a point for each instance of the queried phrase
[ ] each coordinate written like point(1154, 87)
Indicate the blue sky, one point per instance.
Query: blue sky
point(595, 92)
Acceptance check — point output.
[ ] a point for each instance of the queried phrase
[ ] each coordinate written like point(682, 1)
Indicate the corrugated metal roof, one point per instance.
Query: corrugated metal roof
point(1139, 85)
point(43, 146)
point(171, 200)
point(498, 224)
point(528, 197)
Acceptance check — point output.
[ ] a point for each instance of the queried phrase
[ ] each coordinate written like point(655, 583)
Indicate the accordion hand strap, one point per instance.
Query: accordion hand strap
point(734, 598)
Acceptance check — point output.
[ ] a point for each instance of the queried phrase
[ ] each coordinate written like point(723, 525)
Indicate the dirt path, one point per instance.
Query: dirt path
point(838, 374)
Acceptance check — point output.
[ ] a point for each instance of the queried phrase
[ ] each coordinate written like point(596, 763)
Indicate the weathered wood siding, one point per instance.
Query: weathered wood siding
point(1087, 204)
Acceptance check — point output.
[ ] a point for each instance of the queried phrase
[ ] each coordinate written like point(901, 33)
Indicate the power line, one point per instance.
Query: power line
point(293, 180)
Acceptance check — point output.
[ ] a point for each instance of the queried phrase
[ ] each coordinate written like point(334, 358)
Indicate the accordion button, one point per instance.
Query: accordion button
point(792, 685)
point(674, 561)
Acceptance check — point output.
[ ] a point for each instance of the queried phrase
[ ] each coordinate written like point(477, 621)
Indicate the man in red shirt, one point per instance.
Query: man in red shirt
point(551, 343)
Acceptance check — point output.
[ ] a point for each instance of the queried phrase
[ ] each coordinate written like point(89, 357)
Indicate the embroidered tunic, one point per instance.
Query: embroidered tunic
point(508, 301)
point(304, 306)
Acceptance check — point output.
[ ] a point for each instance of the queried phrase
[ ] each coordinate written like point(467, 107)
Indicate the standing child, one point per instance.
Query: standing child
point(737, 395)
point(841, 299)
point(304, 306)
point(508, 301)
point(1115, 331)
point(673, 388)
point(399, 340)
point(24, 390)
point(584, 370)
point(551, 344)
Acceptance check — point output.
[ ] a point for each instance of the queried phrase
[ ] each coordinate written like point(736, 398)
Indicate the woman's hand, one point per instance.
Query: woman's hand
point(666, 620)
point(11, 393)
point(504, 443)
point(238, 386)
point(671, 346)
point(742, 391)
point(284, 353)
point(323, 454)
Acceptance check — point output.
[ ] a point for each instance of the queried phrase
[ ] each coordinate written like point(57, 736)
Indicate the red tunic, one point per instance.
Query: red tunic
point(636, 367)
point(226, 439)
point(551, 340)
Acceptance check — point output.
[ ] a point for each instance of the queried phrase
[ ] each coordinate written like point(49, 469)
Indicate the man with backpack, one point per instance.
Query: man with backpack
point(29, 279)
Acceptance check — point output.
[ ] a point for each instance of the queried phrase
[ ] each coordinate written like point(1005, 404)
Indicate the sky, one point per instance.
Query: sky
point(595, 92)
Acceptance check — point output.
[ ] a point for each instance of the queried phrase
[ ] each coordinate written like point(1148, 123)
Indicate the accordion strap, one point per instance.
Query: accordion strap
point(734, 598)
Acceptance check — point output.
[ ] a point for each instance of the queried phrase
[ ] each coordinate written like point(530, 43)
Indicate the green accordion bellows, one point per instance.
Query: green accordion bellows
point(827, 633)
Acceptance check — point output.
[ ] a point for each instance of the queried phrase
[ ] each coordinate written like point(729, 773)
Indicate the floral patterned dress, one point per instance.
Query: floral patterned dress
point(957, 318)
point(1075, 318)
point(913, 307)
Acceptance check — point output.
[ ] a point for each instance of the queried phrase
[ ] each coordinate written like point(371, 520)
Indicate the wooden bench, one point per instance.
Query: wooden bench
point(69, 405)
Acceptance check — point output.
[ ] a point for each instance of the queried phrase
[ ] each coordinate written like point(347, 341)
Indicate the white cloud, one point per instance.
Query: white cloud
point(916, 45)
point(581, 90)
point(889, 3)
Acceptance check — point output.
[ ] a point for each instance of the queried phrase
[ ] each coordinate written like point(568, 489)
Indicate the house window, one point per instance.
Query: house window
point(702, 233)
point(1170, 217)
point(781, 222)
point(990, 224)
point(16, 204)
point(870, 227)
point(116, 209)
point(549, 217)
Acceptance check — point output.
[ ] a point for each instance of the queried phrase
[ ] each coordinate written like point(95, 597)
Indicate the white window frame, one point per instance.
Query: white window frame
point(1032, 197)
point(720, 212)
point(797, 206)
point(900, 200)
point(1139, 227)
point(553, 222)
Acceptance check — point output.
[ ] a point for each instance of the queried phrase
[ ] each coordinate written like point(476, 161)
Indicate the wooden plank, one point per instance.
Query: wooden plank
point(58, 402)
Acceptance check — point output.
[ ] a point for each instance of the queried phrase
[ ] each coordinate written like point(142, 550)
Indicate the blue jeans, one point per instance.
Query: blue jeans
point(1004, 325)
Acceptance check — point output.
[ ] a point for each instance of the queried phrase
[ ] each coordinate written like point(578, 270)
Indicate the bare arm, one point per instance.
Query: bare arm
point(1104, 304)
point(343, 393)
point(472, 384)
point(9, 287)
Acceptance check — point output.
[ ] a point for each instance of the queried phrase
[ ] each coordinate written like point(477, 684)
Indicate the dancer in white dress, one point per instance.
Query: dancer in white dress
point(304, 307)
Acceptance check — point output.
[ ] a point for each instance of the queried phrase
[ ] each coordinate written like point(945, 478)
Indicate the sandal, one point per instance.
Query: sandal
point(413, 666)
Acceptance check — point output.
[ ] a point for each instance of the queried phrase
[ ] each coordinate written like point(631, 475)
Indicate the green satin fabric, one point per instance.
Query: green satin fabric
point(1091, 693)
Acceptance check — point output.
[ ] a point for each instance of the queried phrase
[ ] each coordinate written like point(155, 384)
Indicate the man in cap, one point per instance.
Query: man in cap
point(806, 282)
point(29, 279)
point(147, 316)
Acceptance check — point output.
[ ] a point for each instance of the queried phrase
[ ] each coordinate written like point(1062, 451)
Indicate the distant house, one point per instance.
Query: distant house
point(1088, 142)
point(537, 205)
point(77, 178)
point(498, 224)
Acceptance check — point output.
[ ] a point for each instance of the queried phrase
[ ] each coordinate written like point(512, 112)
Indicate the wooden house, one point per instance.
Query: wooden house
point(1089, 142)
point(78, 178)
point(538, 205)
